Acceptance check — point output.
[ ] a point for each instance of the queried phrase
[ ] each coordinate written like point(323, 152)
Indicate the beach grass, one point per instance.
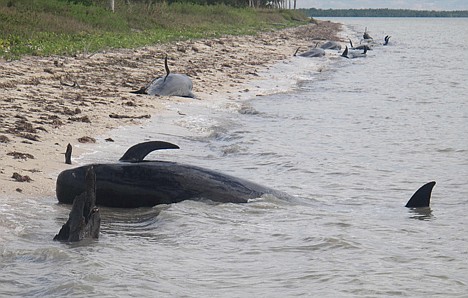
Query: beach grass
point(60, 27)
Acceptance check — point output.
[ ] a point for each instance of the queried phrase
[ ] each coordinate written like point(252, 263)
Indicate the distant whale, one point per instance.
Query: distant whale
point(134, 182)
point(422, 197)
point(331, 45)
point(354, 54)
point(360, 47)
point(173, 84)
point(386, 39)
point(366, 35)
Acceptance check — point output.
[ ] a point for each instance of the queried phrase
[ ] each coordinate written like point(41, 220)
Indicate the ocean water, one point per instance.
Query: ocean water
point(351, 140)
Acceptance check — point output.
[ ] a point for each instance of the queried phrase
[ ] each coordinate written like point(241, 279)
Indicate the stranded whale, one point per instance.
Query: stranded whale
point(315, 52)
point(386, 40)
point(134, 182)
point(331, 45)
point(173, 84)
point(354, 54)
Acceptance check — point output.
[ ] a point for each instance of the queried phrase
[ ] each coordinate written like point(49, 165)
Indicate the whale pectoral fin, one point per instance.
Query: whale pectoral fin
point(422, 197)
point(142, 90)
point(139, 151)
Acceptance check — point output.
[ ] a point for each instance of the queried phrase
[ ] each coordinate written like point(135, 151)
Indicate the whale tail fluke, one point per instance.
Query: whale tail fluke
point(422, 197)
point(386, 39)
point(139, 151)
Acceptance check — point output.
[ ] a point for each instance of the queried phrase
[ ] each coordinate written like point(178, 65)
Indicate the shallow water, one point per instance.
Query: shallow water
point(350, 139)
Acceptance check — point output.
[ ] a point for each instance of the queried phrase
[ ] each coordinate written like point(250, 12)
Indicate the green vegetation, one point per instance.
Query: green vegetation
point(384, 12)
point(68, 27)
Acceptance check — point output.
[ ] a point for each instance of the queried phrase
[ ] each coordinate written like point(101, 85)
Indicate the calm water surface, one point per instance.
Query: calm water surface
point(350, 139)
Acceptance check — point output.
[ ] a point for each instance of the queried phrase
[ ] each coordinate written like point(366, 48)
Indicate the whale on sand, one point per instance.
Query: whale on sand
point(173, 84)
point(134, 182)
point(316, 52)
point(331, 45)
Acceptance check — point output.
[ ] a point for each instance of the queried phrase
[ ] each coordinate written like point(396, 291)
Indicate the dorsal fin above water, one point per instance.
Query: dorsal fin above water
point(139, 151)
point(422, 197)
point(345, 53)
point(166, 67)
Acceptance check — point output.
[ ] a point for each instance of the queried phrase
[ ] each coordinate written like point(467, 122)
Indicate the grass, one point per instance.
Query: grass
point(58, 27)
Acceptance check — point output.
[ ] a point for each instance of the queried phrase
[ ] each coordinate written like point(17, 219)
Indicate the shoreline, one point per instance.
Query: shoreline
point(48, 102)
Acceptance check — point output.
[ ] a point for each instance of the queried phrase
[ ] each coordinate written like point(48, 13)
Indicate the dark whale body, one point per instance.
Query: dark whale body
point(133, 182)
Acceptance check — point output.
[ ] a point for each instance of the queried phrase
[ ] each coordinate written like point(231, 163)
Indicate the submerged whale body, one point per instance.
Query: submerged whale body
point(422, 197)
point(134, 182)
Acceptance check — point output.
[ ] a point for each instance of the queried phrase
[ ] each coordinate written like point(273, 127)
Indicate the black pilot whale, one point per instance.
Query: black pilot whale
point(134, 182)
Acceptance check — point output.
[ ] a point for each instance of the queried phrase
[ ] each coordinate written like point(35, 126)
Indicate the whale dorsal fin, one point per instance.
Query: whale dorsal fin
point(166, 67)
point(138, 152)
point(345, 53)
point(422, 197)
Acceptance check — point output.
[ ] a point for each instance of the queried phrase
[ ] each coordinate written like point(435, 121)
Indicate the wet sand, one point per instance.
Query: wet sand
point(49, 102)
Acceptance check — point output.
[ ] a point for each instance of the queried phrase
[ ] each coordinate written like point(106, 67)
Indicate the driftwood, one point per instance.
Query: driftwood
point(117, 116)
point(84, 220)
point(68, 154)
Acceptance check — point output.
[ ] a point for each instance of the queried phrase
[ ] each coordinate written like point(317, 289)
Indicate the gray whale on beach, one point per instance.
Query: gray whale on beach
point(134, 182)
point(331, 45)
point(316, 52)
point(173, 84)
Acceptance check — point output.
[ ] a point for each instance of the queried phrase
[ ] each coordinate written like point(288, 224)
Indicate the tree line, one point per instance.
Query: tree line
point(282, 4)
point(383, 12)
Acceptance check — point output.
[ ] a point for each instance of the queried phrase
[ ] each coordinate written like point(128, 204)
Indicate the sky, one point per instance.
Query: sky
point(396, 4)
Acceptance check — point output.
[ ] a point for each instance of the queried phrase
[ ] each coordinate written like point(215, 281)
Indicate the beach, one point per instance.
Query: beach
point(50, 102)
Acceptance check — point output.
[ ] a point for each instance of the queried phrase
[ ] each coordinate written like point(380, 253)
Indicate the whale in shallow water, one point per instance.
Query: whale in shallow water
point(173, 84)
point(134, 182)
point(422, 197)
point(366, 35)
point(359, 47)
point(350, 54)
point(386, 40)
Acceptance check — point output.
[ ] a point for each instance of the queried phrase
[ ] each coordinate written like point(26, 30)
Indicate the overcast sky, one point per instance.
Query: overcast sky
point(397, 4)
